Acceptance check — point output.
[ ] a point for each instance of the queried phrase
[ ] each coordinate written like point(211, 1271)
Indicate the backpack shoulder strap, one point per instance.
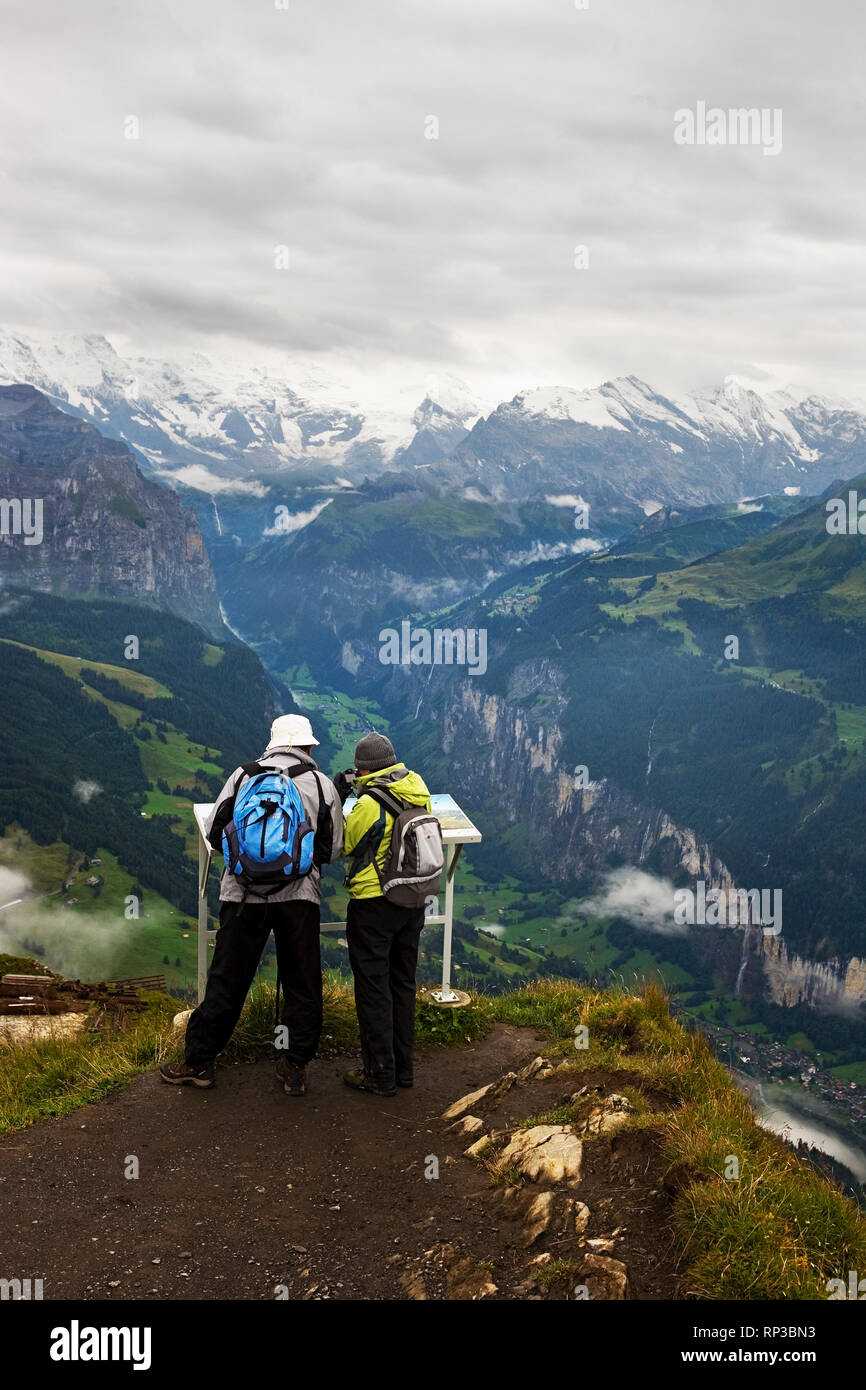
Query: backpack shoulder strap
point(367, 847)
point(299, 769)
point(385, 798)
point(253, 770)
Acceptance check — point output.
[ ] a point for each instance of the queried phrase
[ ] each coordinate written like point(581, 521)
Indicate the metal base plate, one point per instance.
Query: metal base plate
point(455, 999)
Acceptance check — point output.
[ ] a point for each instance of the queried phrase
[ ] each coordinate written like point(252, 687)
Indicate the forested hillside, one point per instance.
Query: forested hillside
point(102, 753)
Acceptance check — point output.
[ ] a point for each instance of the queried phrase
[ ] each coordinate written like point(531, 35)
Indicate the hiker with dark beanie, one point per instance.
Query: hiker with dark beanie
point(393, 845)
point(275, 820)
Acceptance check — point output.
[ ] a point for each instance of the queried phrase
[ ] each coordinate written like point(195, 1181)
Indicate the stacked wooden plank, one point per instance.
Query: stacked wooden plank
point(31, 994)
point(40, 994)
point(143, 982)
point(33, 984)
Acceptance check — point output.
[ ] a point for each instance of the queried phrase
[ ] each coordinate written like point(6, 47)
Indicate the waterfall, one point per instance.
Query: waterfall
point(649, 751)
point(744, 959)
point(421, 696)
point(232, 630)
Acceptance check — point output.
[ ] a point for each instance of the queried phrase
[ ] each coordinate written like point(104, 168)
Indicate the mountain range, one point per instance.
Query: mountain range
point(624, 436)
point(208, 424)
point(226, 428)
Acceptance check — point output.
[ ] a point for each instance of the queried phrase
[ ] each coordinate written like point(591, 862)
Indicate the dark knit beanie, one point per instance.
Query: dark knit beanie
point(373, 752)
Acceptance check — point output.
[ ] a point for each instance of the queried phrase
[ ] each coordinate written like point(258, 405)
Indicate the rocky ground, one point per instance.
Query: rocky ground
point(438, 1193)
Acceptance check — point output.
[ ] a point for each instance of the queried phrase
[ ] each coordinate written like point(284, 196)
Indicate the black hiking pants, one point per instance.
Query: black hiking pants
point(383, 952)
point(243, 932)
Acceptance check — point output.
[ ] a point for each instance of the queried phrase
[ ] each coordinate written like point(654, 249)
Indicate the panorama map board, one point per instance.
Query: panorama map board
point(457, 828)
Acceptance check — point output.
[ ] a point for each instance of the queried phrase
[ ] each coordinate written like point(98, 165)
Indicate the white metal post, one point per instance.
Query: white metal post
point(446, 994)
point(449, 925)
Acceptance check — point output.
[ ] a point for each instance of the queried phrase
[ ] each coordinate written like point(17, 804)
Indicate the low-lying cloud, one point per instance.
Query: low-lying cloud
point(643, 899)
point(85, 790)
point(77, 946)
point(12, 885)
point(287, 522)
point(197, 476)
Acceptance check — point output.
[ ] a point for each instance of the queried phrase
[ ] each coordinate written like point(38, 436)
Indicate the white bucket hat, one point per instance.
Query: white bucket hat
point(291, 731)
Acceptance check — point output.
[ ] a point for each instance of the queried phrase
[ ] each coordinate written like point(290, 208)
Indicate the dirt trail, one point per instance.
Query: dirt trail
point(241, 1188)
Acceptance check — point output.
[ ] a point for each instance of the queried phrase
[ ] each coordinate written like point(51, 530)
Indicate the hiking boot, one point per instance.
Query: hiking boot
point(182, 1074)
point(406, 1080)
point(294, 1078)
point(359, 1082)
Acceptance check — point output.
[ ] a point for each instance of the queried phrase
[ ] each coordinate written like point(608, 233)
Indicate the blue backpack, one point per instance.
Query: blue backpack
point(269, 841)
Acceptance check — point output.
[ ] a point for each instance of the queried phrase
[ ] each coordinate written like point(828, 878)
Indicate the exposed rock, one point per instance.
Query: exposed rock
point(413, 1286)
point(518, 754)
point(514, 1201)
point(489, 1093)
point(605, 1278)
point(528, 1288)
point(541, 1211)
point(608, 1117)
point(539, 1067)
point(465, 1103)
point(546, 1152)
point(475, 1150)
point(526, 1073)
point(579, 1213)
point(468, 1280)
point(469, 1124)
point(538, 1217)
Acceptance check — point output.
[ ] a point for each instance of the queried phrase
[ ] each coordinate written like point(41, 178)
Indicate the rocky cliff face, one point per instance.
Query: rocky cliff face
point(508, 755)
point(790, 979)
point(103, 528)
point(514, 754)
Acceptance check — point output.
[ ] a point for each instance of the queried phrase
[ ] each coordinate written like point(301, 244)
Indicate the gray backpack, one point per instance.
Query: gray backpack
point(413, 868)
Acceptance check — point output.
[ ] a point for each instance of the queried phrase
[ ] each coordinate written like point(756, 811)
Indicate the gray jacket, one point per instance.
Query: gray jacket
point(306, 889)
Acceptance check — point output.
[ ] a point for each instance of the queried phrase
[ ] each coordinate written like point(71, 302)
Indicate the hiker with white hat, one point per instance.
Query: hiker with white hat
point(275, 821)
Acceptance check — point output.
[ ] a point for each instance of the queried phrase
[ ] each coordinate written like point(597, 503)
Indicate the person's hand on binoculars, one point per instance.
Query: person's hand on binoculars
point(343, 783)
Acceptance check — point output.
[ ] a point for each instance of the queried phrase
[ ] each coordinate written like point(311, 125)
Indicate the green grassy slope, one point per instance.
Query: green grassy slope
point(103, 762)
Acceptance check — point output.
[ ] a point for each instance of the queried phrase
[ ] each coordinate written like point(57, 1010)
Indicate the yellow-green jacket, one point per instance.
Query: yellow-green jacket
point(369, 825)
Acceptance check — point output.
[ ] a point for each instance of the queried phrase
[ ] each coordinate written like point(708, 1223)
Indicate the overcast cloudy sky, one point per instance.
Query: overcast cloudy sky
point(307, 127)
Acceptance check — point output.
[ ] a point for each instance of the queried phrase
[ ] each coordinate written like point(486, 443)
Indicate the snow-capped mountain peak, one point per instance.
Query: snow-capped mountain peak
point(227, 420)
point(237, 425)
